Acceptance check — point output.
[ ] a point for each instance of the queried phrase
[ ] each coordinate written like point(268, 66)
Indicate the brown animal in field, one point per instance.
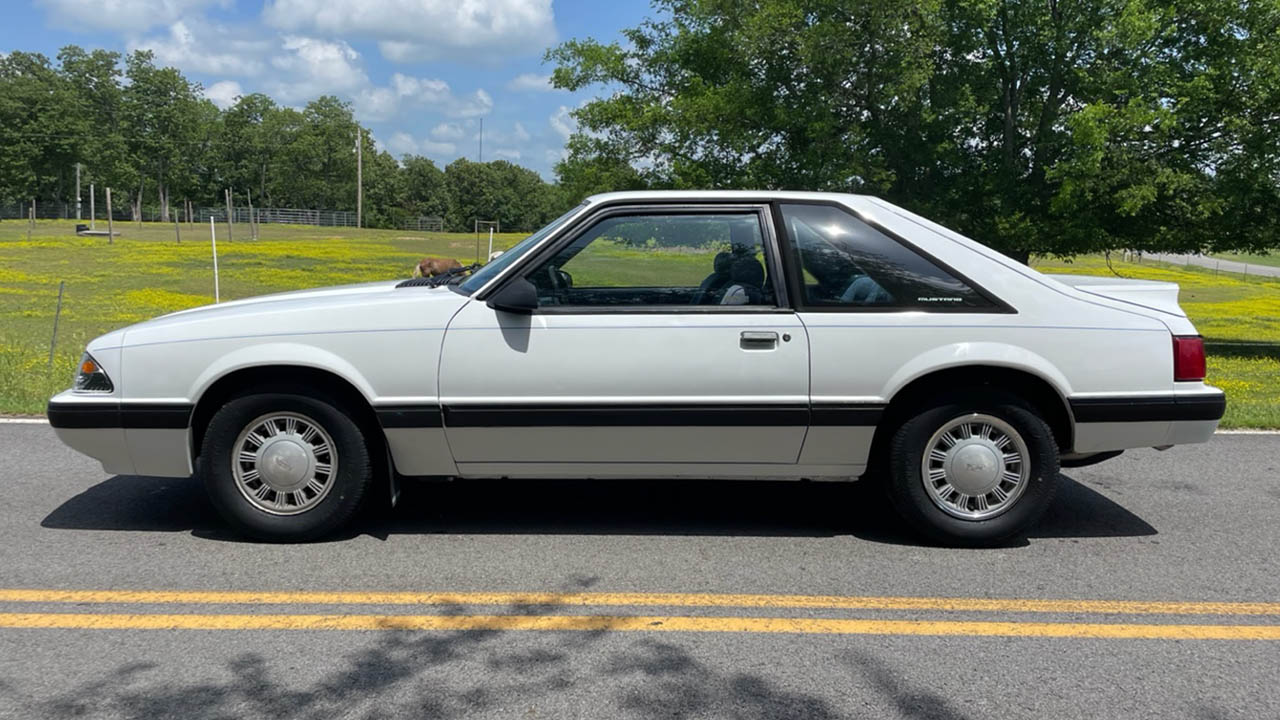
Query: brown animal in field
point(433, 266)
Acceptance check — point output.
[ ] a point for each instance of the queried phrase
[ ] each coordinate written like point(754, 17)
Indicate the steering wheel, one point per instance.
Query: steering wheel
point(558, 281)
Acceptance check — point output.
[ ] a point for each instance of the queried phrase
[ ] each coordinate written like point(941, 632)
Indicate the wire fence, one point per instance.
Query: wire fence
point(423, 224)
point(289, 216)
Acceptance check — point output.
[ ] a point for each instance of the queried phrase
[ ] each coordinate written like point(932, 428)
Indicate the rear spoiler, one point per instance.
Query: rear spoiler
point(1151, 294)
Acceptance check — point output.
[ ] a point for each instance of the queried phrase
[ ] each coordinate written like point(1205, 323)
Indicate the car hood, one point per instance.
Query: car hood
point(346, 308)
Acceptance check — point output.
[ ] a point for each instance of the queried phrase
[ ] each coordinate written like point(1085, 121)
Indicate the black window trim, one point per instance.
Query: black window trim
point(795, 275)
point(775, 266)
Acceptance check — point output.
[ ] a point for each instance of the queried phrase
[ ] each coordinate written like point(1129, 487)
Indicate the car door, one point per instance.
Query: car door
point(661, 343)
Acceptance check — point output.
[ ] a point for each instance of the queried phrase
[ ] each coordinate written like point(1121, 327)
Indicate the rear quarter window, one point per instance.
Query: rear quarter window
point(845, 262)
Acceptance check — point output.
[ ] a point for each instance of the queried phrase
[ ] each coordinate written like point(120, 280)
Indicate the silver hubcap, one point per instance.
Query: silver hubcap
point(975, 467)
point(284, 463)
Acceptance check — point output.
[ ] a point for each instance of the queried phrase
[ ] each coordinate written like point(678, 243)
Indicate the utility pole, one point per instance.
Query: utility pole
point(77, 191)
point(480, 157)
point(359, 177)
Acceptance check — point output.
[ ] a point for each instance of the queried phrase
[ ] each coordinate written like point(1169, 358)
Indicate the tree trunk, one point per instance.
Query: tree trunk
point(1022, 256)
point(163, 192)
point(135, 203)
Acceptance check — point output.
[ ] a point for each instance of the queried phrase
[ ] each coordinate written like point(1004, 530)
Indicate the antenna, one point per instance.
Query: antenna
point(481, 156)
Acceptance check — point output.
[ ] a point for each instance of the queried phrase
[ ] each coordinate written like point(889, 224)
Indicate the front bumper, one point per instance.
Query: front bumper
point(130, 438)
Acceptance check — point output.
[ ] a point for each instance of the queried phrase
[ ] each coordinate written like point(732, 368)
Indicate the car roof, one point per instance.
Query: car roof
point(861, 202)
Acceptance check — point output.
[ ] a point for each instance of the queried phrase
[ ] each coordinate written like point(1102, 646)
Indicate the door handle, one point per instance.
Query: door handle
point(758, 340)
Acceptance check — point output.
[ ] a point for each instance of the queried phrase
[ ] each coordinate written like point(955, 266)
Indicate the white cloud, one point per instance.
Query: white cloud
point(214, 50)
point(313, 67)
point(423, 29)
point(381, 103)
point(426, 89)
point(531, 82)
point(477, 104)
point(224, 94)
point(562, 122)
point(521, 134)
point(402, 143)
point(507, 154)
point(123, 15)
point(437, 148)
point(448, 131)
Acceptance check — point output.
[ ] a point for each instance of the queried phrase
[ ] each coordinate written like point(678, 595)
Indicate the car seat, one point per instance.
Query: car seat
point(720, 277)
point(747, 286)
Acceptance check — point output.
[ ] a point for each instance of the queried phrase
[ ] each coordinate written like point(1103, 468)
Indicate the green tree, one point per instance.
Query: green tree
point(147, 132)
point(514, 196)
point(40, 139)
point(162, 111)
point(251, 139)
point(385, 194)
point(594, 169)
point(321, 170)
point(94, 78)
point(1051, 127)
point(426, 193)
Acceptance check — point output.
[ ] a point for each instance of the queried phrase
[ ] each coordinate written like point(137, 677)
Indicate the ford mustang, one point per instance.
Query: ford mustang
point(661, 335)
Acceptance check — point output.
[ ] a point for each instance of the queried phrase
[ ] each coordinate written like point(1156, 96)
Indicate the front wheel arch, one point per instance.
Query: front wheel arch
point(297, 379)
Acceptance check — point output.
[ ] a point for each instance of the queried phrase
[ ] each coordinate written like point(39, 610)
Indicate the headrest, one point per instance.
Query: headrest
point(743, 237)
point(747, 271)
point(722, 263)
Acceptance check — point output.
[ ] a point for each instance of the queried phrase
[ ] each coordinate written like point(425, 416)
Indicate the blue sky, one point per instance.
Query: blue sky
point(420, 73)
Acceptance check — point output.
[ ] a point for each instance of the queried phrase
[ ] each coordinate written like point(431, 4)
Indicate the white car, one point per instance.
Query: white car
point(662, 335)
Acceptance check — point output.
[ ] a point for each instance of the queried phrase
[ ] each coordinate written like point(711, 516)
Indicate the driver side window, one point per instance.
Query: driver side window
point(706, 259)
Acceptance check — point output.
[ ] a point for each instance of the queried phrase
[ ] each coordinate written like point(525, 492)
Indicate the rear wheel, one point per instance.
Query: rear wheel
point(973, 470)
point(284, 467)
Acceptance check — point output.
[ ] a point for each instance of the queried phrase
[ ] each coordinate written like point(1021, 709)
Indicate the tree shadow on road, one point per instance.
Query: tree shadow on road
point(422, 675)
point(592, 507)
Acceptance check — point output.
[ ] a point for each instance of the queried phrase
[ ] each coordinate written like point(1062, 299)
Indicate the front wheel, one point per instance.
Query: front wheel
point(973, 471)
point(284, 467)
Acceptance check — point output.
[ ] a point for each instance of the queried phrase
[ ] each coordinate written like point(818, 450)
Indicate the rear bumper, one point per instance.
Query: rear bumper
point(1119, 423)
point(127, 438)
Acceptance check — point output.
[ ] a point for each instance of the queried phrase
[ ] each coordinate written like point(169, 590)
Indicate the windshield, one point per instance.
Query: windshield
point(488, 272)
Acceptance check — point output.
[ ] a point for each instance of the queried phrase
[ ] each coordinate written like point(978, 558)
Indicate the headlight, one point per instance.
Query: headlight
point(91, 378)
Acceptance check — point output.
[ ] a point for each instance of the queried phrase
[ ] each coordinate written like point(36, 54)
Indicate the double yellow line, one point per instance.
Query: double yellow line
point(646, 623)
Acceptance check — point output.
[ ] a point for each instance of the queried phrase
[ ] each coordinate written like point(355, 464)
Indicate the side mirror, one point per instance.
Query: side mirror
point(519, 297)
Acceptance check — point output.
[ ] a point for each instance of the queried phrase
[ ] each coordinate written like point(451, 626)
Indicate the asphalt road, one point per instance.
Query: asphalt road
point(1191, 525)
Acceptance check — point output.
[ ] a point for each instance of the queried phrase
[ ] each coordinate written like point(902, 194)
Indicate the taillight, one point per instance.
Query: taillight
point(1188, 357)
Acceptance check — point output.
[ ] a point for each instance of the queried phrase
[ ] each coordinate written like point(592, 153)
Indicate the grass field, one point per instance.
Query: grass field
point(146, 273)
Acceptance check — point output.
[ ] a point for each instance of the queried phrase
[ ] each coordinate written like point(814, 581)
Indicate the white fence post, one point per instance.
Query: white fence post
point(213, 238)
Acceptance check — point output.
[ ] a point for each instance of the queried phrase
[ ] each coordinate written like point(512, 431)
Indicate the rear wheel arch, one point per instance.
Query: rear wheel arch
point(923, 391)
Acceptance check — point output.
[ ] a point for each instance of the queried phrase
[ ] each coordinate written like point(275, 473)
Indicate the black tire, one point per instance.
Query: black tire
point(350, 478)
point(906, 484)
